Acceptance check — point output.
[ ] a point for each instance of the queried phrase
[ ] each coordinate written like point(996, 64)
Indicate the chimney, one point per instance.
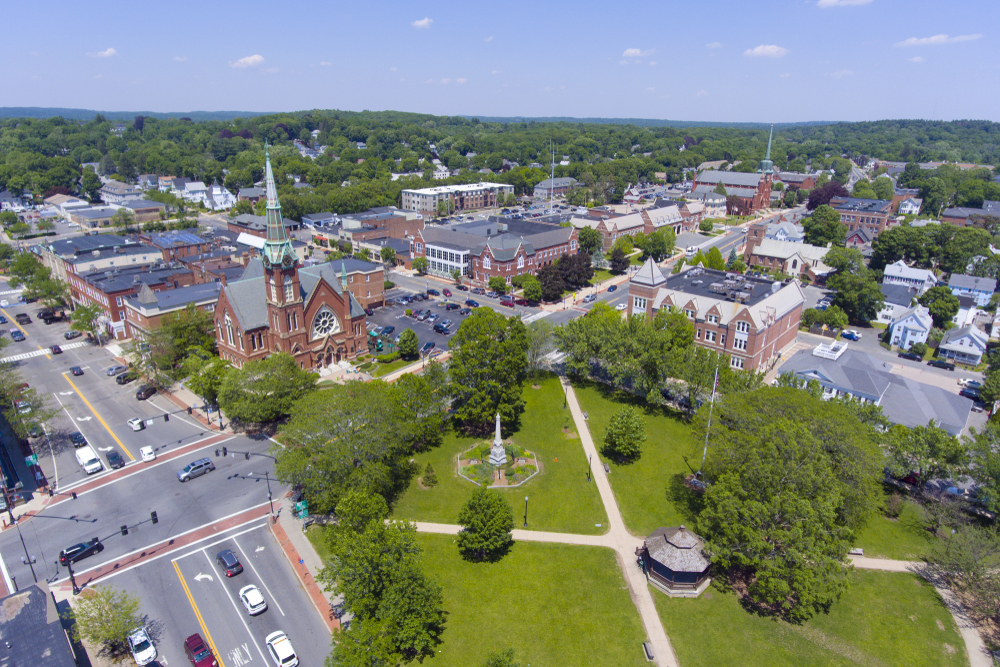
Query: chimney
point(222, 278)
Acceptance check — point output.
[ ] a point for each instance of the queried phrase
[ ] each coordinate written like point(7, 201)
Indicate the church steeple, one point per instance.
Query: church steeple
point(766, 165)
point(277, 250)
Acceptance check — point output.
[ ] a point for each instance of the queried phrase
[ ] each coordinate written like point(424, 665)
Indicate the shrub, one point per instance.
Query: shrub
point(706, 226)
point(387, 358)
point(919, 348)
point(893, 506)
point(430, 478)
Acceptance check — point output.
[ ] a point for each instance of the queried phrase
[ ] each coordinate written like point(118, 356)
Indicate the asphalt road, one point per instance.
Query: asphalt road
point(189, 593)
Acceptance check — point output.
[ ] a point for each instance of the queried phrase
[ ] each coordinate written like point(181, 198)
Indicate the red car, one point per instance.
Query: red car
point(446, 291)
point(198, 652)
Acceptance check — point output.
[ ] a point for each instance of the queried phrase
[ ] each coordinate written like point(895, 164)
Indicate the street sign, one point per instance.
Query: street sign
point(31, 460)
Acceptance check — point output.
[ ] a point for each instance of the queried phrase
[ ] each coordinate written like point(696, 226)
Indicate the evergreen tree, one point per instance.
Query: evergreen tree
point(487, 521)
point(625, 435)
point(430, 478)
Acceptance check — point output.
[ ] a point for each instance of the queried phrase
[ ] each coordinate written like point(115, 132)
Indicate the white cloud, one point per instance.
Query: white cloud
point(429, 81)
point(104, 54)
point(714, 45)
point(916, 59)
point(99, 76)
point(445, 81)
point(324, 63)
point(937, 40)
point(841, 73)
point(248, 61)
point(623, 62)
point(392, 69)
point(460, 80)
point(652, 62)
point(496, 71)
point(423, 23)
point(637, 53)
point(180, 59)
point(489, 39)
point(841, 3)
point(651, 89)
point(271, 70)
point(785, 75)
point(701, 93)
point(766, 51)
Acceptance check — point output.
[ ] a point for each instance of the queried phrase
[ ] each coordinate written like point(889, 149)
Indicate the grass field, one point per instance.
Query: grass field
point(884, 618)
point(649, 491)
point(554, 604)
point(560, 498)
point(382, 370)
point(904, 538)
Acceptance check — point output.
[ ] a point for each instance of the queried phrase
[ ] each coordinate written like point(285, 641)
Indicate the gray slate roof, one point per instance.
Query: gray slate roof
point(961, 281)
point(30, 626)
point(899, 295)
point(727, 178)
point(678, 549)
point(649, 274)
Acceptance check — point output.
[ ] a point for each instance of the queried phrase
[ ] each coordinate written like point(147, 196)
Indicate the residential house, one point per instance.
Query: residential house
point(799, 260)
point(967, 313)
point(768, 228)
point(252, 195)
point(861, 239)
point(32, 630)
point(551, 187)
point(910, 206)
point(964, 345)
point(752, 320)
point(964, 216)
point(980, 289)
point(148, 182)
point(218, 198)
point(912, 326)
point(612, 229)
point(145, 311)
point(898, 273)
point(842, 371)
point(116, 192)
point(898, 300)
point(715, 204)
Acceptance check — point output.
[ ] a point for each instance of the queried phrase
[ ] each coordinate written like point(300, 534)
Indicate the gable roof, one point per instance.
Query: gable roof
point(899, 269)
point(970, 330)
point(899, 295)
point(920, 316)
point(727, 178)
point(962, 281)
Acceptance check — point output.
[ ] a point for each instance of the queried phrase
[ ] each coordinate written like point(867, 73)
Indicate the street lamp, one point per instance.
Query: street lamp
point(267, 478)
point(526, 511)
point(72, 579)
point(590, 466)
point(7, 501)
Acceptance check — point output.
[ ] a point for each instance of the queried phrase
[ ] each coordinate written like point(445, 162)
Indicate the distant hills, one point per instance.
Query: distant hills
point(88, 114)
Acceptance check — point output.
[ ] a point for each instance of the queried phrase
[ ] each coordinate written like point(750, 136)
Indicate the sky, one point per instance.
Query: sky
point(700, 60)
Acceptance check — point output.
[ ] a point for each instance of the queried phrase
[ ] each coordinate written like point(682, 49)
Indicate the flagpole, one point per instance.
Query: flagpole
point(711, 407)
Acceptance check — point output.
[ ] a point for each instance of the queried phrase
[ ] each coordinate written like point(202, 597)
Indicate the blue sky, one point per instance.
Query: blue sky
point(711, 60)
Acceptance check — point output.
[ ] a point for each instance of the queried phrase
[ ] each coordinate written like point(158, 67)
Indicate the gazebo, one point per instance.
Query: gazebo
point(674, 561)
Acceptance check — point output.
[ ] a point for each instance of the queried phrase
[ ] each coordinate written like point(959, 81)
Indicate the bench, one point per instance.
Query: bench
point(648, 648)
point(607, 469)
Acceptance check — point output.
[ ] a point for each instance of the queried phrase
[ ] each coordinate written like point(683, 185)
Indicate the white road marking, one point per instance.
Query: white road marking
point(238, 612)
point(250, 563)
point(104, 449)
point(200, 576)
point(38, 353)
point(66, 393)
point(84, 419)
point(258, 550)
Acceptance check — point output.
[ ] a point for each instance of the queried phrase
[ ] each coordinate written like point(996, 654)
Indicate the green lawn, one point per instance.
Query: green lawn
point(884, 618)
point(650, 491)
point(560, 498)
point(904, 538)
point(554, 604)
point(600, 275)
point(382, 370)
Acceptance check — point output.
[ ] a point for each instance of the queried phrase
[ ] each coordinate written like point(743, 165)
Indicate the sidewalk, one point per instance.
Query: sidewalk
point(305, 561)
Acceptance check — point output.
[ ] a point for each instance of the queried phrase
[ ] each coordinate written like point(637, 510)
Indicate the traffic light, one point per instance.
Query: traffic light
point(50, 493)
point(124, 531)
point(190, 411)
point(166, 418)
point(74, 495)
point(152, 516)
point(225, 452)
point(246, 455)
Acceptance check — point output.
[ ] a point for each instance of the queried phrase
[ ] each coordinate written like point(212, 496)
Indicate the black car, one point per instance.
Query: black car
point(56, 349)
point(70, 335)
point(3, 320)
point(388, 330)
point(451, 306)
point(144, 392)
point(433, 292)
point(912, 356)
point(441, 329)
point(472, 304)
point(76, 370)
point(125, 378)
point(369, 312)
point(970, 393)
point(937, 363)
point(80, 551)
point(464, 311)
point(115, 459)
point(427, 347)
point(77, 439)
point(229, 563)
point(462, 288)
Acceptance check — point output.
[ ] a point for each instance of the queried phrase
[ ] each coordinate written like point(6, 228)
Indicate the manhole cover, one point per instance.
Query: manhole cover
point(86, 516)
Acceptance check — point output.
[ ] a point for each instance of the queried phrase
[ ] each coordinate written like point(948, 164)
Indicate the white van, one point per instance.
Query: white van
point(88, 460)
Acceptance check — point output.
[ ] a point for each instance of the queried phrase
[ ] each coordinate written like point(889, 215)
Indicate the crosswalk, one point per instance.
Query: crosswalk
point(13, 291)
point(537, 316)
point(555, 357)
point(38, 353)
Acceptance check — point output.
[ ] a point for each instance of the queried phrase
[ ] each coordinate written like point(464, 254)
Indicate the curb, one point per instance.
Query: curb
point(305, 577)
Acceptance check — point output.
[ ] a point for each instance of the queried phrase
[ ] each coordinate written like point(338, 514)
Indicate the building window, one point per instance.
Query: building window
point(118, 301)
point(486, 262)
point(736, 362)
point(743, 327)
point(274, 290)
point(689, 313)
point(289, 292)
point(639, 303)
point(710, 336)
point(739, 343)
point(229, 330)
point(712, 319)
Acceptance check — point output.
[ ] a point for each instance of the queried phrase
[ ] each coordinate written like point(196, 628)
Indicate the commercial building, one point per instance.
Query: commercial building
point(872, 215)
point(145, 311)
point(365, 280)
point(176, 245)
point(144, 210)
point(552, 187)
point(89, 254)
point(752, 320)
point(358, 228)
point(799, 260)
point(466, 197)
point(32, 630)
point(612, 228)
point(256, 225)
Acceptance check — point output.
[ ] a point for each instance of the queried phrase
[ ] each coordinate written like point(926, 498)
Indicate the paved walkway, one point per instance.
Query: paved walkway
point(304, 560)
point(974, 645)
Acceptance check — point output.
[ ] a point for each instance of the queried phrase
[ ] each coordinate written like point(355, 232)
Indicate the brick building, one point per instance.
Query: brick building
point(365, 280)
point(872, 215)
point(176, 245)
point(752, 320)
point(752, 191)
point(87, 254)
point(467, 197)
point(145, 311)
point(612, 229)
point(370, 226)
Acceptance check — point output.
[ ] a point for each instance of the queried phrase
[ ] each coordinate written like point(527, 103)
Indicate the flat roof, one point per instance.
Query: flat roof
point(699, 281)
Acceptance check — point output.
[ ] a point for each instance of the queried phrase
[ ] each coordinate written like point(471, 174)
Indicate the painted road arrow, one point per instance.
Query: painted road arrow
point(200, 576)
point(84, 419)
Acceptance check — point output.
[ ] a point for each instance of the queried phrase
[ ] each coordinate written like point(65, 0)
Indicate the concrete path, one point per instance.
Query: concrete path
point(975, 648)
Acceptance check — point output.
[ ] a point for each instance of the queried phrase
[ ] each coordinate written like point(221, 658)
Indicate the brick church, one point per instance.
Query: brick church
point(751, 192)
point(276, 306)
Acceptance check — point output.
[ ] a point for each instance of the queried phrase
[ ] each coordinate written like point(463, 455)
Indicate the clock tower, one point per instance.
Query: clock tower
point(281, 276)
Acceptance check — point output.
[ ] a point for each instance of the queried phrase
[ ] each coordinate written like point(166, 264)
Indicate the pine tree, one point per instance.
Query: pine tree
point(430, 478)
point(731, 262)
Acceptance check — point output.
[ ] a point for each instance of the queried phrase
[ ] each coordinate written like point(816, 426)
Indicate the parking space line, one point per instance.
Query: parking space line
point(201, 621)
point(235, 606)
point(250, 563)
point(13, 321)
point(99, 418)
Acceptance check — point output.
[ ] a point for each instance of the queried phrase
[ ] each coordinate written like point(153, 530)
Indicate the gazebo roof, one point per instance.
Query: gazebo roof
point(678, 549)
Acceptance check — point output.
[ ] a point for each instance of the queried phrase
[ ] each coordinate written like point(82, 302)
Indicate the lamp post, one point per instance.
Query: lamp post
point(27, 557)
point(72, 579)
point(10, 511)
point(526, 511)
point(270, 501)
point(590, 467)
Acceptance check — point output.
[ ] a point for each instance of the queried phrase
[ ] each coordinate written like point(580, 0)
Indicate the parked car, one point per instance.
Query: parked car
point(451, 306)
point(369, 312)
point(464, 311)
point(70, 335)
point(970, 393)
point(80, 551)
point(22, 318)
point(507, 301)
point(441, 329)
point(472, 304)
point(125, 378)
point(76, 370)
point(16, 335)
point(613, 288)
point(252, 600)
point(144, 392)
point(462, 288)
point(116, 370)
point(851, 334)
point(195, 469)
point(141, 646)
point(3, 320)
point(281, 650)
point(970, 384)
point(491, 294)
point(433, 292)
point(478, 290)
point(939, 363)
point(432, 318)
point(520, 301)
point(446, 291)
point(115, 459)
point(427, 347)
point(229, 563)
point(423, 315)
point(912, 356)
point(388, 330)
point(77, 439)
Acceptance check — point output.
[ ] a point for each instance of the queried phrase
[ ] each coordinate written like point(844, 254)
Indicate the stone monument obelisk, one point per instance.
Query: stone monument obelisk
point(498, 457)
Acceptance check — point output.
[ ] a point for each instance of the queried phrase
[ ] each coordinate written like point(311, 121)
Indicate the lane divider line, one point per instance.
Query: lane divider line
point(201, 621)
point(239, 612)
point(100, 419)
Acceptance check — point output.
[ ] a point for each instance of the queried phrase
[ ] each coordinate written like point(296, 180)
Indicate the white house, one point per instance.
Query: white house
point(898, 299)
point(910, 206)
point(194, 191)
point(898, 273)
point(911, 327)
point(980, 289)
point(965, 345)
point(967, 311)
point(219, 198)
